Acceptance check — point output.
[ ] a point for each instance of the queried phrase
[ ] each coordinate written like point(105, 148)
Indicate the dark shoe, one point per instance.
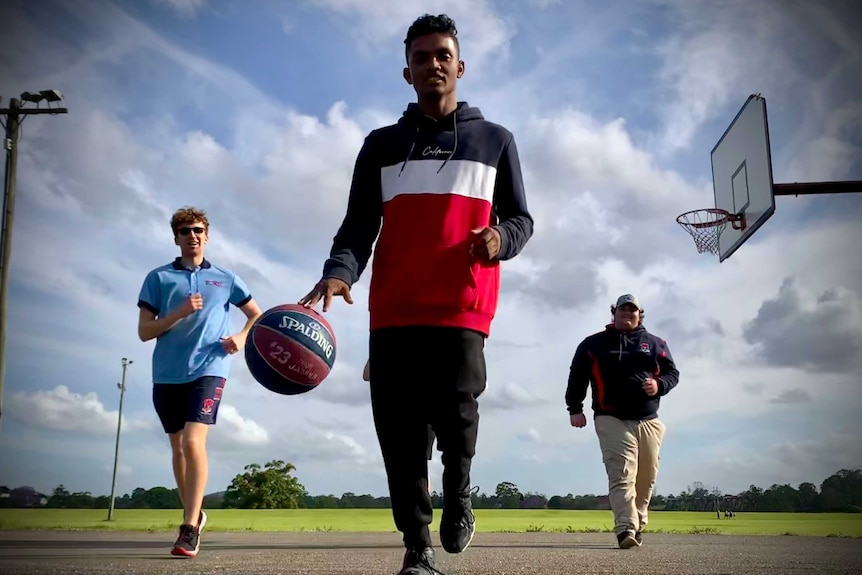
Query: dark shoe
point(418, 562)
point(639, 537)
point(188, 543)
point(627, 540)
point(458, 524)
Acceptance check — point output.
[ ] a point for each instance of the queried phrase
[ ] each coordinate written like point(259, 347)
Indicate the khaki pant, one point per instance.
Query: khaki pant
point(630, 451)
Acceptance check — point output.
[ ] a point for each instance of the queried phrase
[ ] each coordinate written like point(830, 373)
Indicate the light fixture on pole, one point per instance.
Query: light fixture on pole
point(122, 386)
point(14, 116)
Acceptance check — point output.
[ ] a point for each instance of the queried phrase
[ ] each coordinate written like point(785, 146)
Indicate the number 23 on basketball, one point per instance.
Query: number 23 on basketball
point(278, 353)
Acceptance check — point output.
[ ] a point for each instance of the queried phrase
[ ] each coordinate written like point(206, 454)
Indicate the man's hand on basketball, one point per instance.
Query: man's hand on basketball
point(578, 420)
point(485, 244)
point(327, 289)
point(650, 387)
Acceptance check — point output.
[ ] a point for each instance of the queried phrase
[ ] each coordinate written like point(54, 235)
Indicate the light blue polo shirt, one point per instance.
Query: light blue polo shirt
point(192, 348)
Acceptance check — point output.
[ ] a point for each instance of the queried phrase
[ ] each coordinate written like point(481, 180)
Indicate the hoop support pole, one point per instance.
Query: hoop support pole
point(810, 188)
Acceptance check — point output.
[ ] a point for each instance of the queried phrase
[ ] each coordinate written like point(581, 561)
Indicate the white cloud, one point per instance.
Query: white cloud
point(310, 447)
point(792, 396)
point(345, 445)
point(530, 436)
point(509, 396)
point(834, 153)
point(714, 58)
point(483, 33)
point(124, 471)
point(821, 335)
point(345, 386)
point(544, 4)
point(59, 409)
point(185, 8)
point(234, 430)
point(596, 189)
point(703, 71)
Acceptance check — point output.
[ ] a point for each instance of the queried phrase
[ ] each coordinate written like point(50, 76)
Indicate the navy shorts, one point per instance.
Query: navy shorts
point(196, 401)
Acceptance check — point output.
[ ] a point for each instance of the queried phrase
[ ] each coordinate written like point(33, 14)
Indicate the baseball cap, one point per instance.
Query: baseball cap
point(628, 298)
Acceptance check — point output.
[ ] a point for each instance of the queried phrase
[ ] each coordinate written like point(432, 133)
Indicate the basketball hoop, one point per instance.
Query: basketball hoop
point(706, 225)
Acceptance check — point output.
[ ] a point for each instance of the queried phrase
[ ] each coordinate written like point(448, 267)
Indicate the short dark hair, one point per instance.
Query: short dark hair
point(429, 24)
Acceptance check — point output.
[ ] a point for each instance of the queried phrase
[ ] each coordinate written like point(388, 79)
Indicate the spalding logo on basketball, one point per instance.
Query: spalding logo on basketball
point(290, 349)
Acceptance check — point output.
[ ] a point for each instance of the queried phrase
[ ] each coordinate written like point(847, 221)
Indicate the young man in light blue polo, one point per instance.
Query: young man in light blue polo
point(185, 307)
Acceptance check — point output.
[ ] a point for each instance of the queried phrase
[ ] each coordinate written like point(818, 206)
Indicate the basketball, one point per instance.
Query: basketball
point(290, 349)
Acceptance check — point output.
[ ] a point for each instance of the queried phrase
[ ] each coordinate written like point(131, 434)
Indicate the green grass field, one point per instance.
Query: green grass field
point(488, 520)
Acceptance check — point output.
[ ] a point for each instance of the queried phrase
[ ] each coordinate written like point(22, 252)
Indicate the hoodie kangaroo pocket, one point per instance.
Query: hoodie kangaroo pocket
point(437, 276)
point(486, 278)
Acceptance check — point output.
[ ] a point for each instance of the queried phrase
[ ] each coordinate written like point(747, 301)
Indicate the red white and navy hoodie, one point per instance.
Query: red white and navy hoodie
point(423, 185)
point(616, 363)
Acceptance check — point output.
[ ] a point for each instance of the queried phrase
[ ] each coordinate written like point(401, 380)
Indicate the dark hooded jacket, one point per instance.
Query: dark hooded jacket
point(615, 364)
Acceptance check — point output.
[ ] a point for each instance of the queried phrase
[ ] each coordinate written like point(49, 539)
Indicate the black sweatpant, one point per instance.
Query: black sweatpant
point(420, 377)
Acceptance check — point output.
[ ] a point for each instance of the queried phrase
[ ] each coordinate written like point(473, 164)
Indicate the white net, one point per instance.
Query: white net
point(705, 227)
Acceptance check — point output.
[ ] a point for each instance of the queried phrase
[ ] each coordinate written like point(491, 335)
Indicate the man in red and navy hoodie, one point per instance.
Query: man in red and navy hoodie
point(443, 189)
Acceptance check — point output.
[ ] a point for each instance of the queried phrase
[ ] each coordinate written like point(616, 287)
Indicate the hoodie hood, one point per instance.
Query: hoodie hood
point(419, 122)
point(413, 116)
point(610, 327)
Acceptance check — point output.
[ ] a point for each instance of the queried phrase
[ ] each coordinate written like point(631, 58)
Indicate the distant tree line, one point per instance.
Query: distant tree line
point(273, 486)
point(840, 492)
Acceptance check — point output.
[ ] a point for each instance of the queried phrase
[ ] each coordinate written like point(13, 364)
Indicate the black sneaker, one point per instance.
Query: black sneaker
point(627, 540)
point(639, 537)
point(419, 562)
point(458, 524)
point(188, 543)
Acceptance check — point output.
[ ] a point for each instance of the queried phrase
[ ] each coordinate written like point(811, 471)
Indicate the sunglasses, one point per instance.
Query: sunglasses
point(187, 231)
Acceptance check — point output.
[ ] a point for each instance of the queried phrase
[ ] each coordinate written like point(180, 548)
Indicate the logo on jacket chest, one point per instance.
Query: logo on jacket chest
point(436, 151)
point(644, 347)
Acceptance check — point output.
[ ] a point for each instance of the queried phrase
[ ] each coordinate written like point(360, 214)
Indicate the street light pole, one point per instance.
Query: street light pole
point(122, 386)
point(13, 123)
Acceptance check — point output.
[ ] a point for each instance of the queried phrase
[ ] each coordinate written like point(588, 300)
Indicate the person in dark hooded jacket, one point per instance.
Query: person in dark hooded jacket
point(443, 189)
point(628, 370)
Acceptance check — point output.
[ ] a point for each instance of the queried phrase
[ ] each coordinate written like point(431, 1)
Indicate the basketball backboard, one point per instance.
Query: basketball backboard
point(743, 186)
point(742, 174)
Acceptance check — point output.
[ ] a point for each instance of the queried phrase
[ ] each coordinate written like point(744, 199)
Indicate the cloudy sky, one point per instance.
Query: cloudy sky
point(256, 115)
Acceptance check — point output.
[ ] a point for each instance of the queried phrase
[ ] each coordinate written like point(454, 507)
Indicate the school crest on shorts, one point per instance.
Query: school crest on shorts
point(207, 407)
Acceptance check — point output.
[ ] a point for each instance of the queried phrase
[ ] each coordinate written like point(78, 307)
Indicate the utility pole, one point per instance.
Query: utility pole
point(14, 114)
point(122, 386)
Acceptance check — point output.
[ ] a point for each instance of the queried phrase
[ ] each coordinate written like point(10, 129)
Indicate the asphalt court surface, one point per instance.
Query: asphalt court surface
point(129, 553)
